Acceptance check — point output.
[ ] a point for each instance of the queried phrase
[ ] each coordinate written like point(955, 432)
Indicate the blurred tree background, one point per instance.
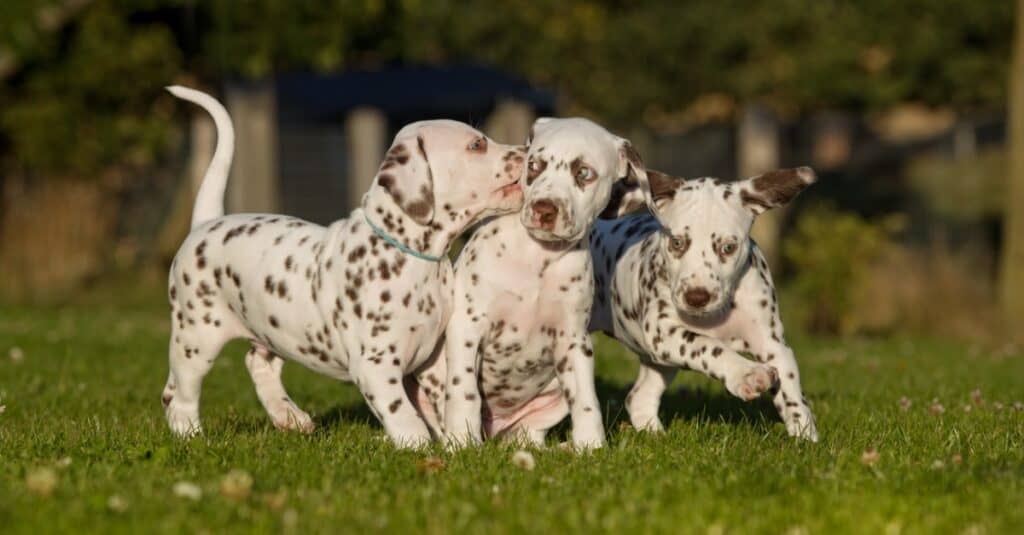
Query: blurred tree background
point(84, 124)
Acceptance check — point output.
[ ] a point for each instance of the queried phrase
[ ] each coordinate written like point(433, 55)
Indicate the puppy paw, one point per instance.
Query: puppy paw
point(288, 417)
point(800, 424)
point(183, 425)
point(753, 382)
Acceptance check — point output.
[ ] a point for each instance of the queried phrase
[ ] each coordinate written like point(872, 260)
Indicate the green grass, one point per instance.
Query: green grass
point(88, 386)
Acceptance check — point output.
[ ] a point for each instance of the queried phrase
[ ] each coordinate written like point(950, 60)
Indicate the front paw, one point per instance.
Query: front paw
point(800, 424)
point(751, 383)
point(587, 441)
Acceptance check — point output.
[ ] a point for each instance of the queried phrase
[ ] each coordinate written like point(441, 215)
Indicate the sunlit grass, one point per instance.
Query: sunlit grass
point(84, 447)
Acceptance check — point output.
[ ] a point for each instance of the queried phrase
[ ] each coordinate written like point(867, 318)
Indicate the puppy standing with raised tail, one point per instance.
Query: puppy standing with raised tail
point(365, 299)
point(687, 288)
point(517, 347)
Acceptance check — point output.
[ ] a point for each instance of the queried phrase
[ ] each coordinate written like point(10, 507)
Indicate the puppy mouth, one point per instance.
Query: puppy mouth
point(550, 238)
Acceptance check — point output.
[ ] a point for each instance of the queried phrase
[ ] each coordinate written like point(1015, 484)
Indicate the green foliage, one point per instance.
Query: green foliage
point(831, 252)
point(91, 103)
point(624, 61)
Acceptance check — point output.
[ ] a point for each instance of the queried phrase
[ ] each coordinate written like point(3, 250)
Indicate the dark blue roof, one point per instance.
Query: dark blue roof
point(403, 91)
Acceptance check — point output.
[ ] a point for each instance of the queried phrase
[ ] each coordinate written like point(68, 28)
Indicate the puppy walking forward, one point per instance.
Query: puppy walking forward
point(365, 299)
point(687, 288)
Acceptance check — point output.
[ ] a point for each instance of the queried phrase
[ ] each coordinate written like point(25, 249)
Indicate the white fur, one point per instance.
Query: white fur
point(642, 282)
point(517, 346)
point(339, 300)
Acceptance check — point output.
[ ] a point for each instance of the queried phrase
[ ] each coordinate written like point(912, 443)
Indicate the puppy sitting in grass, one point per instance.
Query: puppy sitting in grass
point(686, 287)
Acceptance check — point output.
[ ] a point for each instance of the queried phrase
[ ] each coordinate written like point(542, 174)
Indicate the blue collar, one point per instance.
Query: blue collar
point(399, 245)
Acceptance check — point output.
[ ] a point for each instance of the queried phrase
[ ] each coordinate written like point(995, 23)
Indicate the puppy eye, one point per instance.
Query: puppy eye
point(585, 174)
point(728, 248)
point(536, 166)
point(677, 243)
point(477, 145)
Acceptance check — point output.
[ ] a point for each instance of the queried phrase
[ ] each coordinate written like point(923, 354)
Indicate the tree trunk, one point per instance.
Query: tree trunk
point(758, 152)
point(1012, 276)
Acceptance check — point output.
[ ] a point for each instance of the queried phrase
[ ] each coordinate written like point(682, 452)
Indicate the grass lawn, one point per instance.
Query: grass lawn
point(84, 447)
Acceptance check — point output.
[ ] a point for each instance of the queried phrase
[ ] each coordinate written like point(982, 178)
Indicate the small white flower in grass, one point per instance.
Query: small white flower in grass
point(997, 405)
point(16, 354)
point(1018, 406)
point(63, 462)
point(905, 403)
point(42, 481)
point(236, 485)
point(936, 408)
point(967, 408)
point(187, 490)
point(117, 504)
point(957, 459)
point(938, 464)
point(524, 459)
point(3, 408)
point(976, 397)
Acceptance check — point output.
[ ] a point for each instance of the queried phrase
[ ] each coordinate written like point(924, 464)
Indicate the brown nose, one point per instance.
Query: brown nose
point(544, 213)
point(697, 297)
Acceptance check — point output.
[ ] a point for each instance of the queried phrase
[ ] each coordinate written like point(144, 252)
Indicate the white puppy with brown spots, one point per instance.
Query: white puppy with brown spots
point(365, 299)
point(687, 288)
point(517, 347)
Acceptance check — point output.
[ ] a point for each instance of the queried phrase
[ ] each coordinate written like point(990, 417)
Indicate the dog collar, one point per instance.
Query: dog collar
point(399, 245)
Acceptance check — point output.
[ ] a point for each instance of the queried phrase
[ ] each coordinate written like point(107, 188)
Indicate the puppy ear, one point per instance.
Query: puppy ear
point(405, 175)
point(774, 188)
point(540, 121)
point(628, 191)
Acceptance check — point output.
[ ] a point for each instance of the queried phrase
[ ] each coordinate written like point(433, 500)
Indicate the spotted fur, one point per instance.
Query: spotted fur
point(339, 300)
point(517, 347)
point(687, 288)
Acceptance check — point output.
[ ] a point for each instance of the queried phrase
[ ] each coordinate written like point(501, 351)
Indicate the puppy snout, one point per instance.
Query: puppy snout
point(545, 213)
point(697, 297)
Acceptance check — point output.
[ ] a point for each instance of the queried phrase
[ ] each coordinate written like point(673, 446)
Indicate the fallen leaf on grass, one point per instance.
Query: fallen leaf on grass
point(236, 485)
point(431, 465)
point(870, 457)
point(42, 481)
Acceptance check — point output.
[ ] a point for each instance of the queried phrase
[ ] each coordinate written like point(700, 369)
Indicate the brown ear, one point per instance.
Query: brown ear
point(775, 188)
point(405, 174)
point(663, 187)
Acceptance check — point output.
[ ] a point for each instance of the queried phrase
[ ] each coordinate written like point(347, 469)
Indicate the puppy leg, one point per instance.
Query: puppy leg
point(644, 398)
point(463, 405)
point(191, 355)
point(789, 399)
point(265, 369)
point(743, 378)
point(388, 400)
point(575, 371)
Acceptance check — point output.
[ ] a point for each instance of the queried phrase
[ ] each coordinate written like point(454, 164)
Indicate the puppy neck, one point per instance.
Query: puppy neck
point(432, 240)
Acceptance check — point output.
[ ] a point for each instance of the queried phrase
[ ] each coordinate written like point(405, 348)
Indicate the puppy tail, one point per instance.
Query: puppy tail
point(210, 200)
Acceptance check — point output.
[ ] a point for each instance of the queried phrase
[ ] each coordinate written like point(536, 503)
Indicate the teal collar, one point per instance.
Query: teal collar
point(399, 245)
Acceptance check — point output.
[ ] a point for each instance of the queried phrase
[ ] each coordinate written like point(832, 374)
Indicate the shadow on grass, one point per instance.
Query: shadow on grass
point(685, 404)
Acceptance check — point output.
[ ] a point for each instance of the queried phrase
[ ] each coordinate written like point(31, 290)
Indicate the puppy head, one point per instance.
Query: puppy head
point(572, 164)
point(450, 171)
point(704, 241)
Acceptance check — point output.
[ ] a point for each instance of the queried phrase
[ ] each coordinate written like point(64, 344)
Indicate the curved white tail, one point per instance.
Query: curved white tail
point(210, 199)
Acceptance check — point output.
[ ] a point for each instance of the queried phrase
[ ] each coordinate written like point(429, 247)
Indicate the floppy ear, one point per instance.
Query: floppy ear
point(774, 188)
point(628, 193)
point(533, 128)
point(405, 174)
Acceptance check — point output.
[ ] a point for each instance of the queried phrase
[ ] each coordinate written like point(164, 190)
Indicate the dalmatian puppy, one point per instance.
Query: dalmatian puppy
point(686, 287)
point(517, 347)
point(365, 299)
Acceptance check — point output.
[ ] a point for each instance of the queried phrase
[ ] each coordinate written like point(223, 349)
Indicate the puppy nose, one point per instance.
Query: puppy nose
point(697, 297)
point(545, 212)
